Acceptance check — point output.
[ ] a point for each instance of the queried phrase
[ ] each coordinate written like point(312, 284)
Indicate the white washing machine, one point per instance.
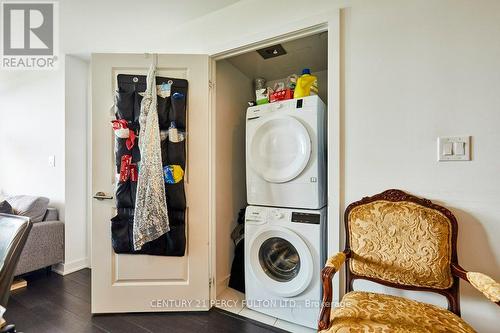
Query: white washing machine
point(286, 153)
point(285, 250)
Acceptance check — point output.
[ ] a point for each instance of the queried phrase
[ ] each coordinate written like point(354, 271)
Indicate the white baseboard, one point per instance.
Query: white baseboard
point(70, 267)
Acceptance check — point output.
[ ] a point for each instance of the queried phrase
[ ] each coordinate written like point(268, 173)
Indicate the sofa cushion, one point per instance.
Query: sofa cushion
point(5, 208)
point(31, 206)
point(51, 214)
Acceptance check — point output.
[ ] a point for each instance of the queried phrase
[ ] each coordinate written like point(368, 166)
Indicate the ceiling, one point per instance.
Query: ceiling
point(308, 52)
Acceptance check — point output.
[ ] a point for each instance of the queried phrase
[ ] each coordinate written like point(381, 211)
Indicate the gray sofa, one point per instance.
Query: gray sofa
point(45, 244)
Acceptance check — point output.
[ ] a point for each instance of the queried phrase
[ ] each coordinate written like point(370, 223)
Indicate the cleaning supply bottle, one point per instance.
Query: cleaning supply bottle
point(307, 84)
point(261, 93)
point(173, 135)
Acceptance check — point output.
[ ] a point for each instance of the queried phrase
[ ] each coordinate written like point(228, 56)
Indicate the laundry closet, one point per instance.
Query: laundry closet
point(297, 275)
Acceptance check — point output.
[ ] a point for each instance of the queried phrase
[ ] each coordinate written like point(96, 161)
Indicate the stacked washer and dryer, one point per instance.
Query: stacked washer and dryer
point(285, 224)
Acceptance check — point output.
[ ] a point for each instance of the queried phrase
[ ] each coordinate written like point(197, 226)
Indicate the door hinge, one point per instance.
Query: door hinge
point(210, 282)
point(211, 84)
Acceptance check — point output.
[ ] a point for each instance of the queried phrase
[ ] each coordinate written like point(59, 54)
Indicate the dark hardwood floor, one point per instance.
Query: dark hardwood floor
point(56, 304)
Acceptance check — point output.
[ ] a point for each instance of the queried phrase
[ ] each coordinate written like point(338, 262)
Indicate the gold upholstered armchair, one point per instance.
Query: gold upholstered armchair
point(405, 242)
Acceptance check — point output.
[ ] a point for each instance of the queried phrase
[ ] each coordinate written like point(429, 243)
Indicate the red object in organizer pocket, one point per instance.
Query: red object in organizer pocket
point(281, 95)
point(122, 131)
point(125, 168)
point(133, 172)
point(128, 169)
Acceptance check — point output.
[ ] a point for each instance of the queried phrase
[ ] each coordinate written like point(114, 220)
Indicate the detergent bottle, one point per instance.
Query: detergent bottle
point(307, 84)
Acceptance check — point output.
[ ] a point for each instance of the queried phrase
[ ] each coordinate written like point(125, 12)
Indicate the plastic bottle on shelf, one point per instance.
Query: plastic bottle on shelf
point(291, 81)
point(261, 93)
point(173, 134)
point(307, 84)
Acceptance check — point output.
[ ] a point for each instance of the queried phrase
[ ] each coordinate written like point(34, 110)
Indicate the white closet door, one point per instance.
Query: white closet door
point(144, 283)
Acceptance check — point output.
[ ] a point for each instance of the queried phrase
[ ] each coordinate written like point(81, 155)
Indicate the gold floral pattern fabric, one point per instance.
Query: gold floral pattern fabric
point(336, 261)
point(401, 242)
point(485, 284)
point(370, 312)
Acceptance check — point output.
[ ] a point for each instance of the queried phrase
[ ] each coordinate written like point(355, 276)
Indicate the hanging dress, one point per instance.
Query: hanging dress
point(150, 216)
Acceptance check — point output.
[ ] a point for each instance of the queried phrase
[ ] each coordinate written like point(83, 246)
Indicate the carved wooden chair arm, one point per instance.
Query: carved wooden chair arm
point(482, 282)
point(332, 266)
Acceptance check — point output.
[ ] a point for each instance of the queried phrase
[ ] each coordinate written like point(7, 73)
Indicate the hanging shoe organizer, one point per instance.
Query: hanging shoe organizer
point(171, 108)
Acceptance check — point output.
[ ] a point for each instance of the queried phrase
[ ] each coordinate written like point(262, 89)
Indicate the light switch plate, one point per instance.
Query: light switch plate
point(52, 161)
point(454, 148)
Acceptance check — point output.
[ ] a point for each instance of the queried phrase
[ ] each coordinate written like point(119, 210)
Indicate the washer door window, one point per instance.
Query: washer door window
point(280, 149)
point(281, 261)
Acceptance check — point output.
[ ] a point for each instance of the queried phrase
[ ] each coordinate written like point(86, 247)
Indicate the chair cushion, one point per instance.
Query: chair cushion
point(31, 206)
point(401, 242)
point(371, 312)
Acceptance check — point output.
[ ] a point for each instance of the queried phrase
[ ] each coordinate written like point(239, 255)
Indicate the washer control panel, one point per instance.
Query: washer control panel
point(309, 218)
point(262, 215)
point(256, 215)
point(278, 214)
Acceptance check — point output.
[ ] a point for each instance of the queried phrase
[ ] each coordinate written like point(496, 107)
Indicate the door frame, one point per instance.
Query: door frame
point(325, 23)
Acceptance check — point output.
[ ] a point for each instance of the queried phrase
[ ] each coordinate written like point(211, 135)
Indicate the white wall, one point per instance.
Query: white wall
point(128, 25)
point(43, 113)
point(37, 119)
point(32, 129)
point(76, 84)
point(160, 26)
point(230, 160)
point(416, 70)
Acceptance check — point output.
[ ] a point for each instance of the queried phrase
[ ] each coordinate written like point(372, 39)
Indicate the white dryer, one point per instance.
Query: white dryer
point(286, 154)
point(285, 250)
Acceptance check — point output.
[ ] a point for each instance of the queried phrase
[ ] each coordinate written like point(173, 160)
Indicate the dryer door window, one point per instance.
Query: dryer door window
point(280, 149)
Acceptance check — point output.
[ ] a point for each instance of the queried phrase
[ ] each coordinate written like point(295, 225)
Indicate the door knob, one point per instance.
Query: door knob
point(102, 196)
